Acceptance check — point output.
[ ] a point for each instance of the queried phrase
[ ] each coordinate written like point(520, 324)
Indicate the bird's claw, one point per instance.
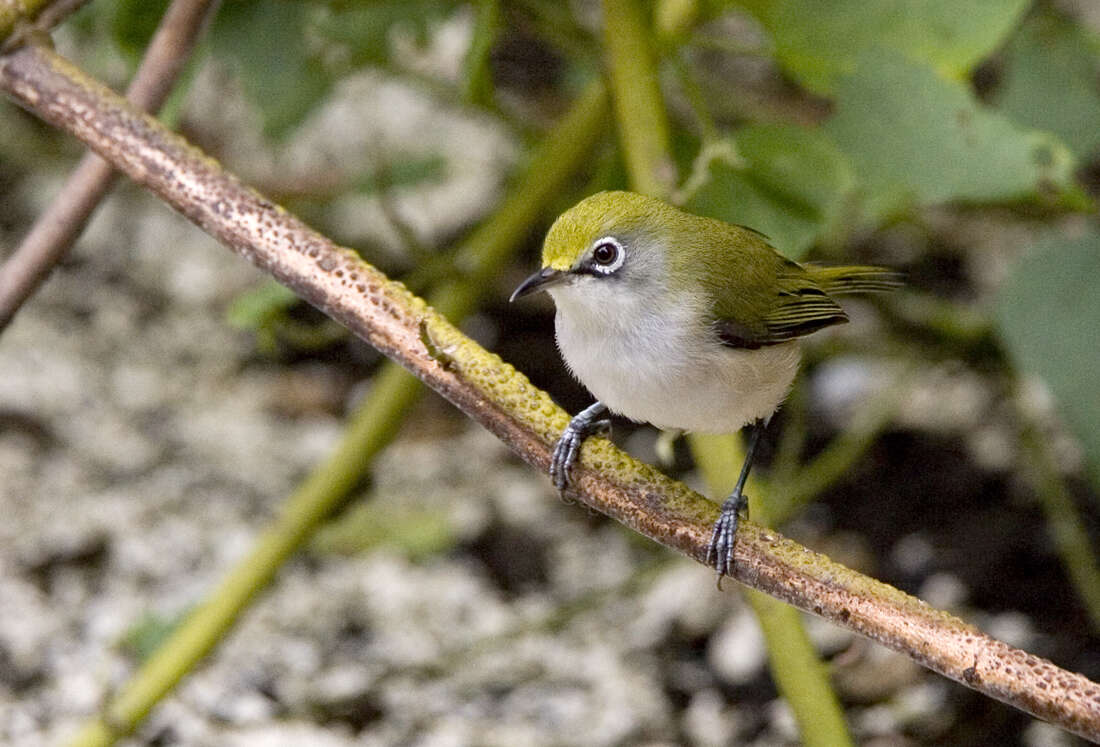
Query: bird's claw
point(722, 540)
point(568, 447)
point(565, 456)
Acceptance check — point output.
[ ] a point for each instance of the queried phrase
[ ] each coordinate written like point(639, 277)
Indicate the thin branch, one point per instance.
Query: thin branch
point(62, 222)
point(403, 327)
point(369, 429)
point(799, 674)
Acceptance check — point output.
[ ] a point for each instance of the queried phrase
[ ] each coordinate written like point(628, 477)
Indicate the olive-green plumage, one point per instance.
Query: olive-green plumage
point(756, 295)
point(681, 321)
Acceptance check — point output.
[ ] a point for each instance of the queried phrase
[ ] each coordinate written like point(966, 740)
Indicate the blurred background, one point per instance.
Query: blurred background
point(160, 399)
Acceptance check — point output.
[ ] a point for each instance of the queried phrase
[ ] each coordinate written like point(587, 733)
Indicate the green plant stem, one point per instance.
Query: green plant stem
point(796, 486)
point(639, 110)
point(1063, 521)
point(369, 429)
point(798, 673)
point(403, 327)
point(673, 19)
point(478, 82)
point(693, 94)
point(643, 129)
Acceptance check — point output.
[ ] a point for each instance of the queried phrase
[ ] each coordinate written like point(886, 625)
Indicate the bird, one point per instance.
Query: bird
point(682, 321)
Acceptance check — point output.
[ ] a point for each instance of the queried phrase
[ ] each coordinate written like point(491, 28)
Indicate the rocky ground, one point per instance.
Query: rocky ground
point(144, 443)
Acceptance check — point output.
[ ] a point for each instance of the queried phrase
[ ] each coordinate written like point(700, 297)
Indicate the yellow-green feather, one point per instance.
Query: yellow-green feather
point(756, 294)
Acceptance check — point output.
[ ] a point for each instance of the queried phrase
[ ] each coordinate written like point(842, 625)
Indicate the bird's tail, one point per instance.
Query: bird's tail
point(855, 279)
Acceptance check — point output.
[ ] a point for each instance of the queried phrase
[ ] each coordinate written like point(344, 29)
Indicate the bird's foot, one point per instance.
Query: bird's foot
point(720, 549)
point(568, 447)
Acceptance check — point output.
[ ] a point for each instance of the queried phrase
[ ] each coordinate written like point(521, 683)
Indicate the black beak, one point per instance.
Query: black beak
point(545, 277)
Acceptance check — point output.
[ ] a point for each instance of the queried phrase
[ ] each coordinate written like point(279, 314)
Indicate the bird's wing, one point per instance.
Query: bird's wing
point(775, 299)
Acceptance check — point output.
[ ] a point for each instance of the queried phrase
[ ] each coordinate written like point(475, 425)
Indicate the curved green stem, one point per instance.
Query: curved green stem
point(643, 128)
point(1063, 521)
point(639, 109)
point(796, 486)
point(801, 678)
point(369, 429)
point(477, 87)
point(403, 327)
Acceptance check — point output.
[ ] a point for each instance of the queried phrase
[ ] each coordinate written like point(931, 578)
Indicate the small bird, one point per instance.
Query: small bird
point(685, 322)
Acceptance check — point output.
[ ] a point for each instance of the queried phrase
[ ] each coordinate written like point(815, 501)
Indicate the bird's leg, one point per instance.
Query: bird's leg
point(720, 548)
point(568, 447)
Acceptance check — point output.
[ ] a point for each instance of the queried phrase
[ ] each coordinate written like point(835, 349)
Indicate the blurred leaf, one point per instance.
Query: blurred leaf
point(914, 136)
point(145, 636)
point(266, 41)
point(133, 23)
point(418, 533)
point(787, 182)
point(820, 41)
point(1048, 314)
point(1051, 82)
point(363, 28)
point(404, 171)
point(257, 307)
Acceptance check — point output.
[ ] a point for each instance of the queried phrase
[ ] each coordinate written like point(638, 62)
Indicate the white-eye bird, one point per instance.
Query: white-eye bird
point(681, 321)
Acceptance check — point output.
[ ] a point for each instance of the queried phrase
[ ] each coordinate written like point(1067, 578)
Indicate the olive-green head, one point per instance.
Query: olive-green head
point(610, 234)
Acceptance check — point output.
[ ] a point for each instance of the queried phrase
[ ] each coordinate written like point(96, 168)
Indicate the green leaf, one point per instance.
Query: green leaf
point(362, 29)
point(1048, 314)
point(266, 41)
point(257, 307)
point(417, 532)
point(914, 136)
point(819, 41)
point(405, 170)
point(133, 23)
point(787, 182)
point(1051, 82)
point(143, 638)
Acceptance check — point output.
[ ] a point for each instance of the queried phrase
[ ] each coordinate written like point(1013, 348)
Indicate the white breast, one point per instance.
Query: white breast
point(659, 368)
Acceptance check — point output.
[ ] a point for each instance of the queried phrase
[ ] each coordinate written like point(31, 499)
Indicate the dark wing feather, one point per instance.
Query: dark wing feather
point(786, 302)
point(773, 299)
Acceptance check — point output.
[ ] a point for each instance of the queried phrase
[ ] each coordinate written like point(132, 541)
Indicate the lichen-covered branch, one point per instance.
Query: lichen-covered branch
point(491, 392)
point(369, 429)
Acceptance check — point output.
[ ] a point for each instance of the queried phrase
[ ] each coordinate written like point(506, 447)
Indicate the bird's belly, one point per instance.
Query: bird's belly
point(715, 389)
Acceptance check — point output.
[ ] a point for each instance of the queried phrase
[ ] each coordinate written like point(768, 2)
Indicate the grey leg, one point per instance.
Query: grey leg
point(722, 540)
point(568, 447)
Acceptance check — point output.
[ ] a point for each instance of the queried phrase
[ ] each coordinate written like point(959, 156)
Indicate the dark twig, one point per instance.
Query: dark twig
point(403, 327)
point(62, 222)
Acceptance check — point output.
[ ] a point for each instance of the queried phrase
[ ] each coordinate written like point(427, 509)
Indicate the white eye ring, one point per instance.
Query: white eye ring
point(607, 255)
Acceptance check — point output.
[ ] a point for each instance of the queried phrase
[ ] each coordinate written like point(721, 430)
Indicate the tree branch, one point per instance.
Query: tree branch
point(62, 222)
point(491, 392)
point(369, 429)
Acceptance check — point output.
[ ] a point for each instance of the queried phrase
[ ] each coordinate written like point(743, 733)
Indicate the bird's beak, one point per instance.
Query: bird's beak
point(541, 280)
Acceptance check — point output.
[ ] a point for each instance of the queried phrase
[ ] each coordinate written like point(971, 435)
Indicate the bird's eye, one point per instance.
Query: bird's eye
point(607, 255)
